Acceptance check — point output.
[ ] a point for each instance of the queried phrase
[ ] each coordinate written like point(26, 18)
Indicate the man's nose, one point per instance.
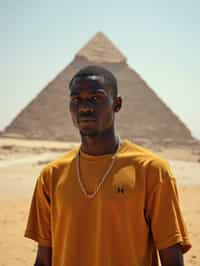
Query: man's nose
point(86, 106)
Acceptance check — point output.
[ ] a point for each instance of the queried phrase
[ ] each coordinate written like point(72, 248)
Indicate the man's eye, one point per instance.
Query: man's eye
point(75, 100)
point(94, 98)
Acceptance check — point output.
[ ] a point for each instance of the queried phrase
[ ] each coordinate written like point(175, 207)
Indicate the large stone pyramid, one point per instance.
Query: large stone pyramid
point(143, 118)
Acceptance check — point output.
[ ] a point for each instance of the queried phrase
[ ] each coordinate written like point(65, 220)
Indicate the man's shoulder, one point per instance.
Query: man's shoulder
point(61, 162)
point(143, 154)
point(156, 167)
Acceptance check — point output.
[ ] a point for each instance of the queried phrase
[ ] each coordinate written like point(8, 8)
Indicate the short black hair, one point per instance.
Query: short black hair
point(94, 70)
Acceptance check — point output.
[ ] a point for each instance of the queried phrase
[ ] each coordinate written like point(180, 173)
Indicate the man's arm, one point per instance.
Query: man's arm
point(43, 257)
point(171, 256)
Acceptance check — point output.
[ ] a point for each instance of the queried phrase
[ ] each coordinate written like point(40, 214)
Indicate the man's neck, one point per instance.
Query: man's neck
point(100, 145)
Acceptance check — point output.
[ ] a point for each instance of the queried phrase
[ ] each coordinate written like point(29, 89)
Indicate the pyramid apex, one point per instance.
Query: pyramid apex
point(100, 49)
point(100, 33)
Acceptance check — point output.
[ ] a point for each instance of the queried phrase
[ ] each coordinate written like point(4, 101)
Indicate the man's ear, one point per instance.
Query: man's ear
point(117, 103)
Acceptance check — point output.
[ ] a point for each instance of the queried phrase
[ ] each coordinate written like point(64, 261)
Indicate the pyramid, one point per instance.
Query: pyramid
point(144, 118)
point(101, 50)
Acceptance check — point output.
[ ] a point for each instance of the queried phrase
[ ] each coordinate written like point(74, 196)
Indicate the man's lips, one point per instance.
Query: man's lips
point(86, 119)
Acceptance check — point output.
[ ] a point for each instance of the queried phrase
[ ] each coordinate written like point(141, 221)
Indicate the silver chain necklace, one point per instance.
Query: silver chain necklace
point(92, 195)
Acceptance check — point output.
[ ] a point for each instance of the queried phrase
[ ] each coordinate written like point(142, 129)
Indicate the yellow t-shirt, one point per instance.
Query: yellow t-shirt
point(135, 213)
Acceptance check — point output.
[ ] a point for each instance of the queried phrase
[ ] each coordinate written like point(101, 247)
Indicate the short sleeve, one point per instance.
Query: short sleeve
point(39, 221)
point(166, 220)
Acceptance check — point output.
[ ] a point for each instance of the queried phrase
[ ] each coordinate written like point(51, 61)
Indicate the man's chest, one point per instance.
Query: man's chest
point(123, 189)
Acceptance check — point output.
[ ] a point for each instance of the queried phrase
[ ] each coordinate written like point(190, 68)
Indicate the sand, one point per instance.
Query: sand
point(20, 164)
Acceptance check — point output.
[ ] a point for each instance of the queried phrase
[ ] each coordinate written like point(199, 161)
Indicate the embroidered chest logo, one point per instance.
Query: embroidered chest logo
point(123, 190)
point(120, 190)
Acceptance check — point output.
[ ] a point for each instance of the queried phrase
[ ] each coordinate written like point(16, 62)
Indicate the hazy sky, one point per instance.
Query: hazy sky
point(161, 40)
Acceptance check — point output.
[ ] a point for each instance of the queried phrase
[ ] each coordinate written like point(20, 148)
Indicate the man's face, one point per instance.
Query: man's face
point(91, 106)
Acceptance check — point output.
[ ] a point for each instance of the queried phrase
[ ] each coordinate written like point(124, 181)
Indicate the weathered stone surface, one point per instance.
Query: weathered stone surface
point(144, 118)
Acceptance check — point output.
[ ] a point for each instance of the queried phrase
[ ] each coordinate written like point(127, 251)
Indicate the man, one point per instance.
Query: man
point(108, 202)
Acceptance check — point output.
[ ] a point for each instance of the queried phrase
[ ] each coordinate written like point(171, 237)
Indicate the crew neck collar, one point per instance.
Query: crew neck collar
point(87, 156)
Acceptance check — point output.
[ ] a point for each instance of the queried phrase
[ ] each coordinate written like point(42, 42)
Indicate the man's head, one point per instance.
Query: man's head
point(95, 72)
point(94, 100)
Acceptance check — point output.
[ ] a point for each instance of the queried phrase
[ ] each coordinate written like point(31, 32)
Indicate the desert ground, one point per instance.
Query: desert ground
point(22, 160)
